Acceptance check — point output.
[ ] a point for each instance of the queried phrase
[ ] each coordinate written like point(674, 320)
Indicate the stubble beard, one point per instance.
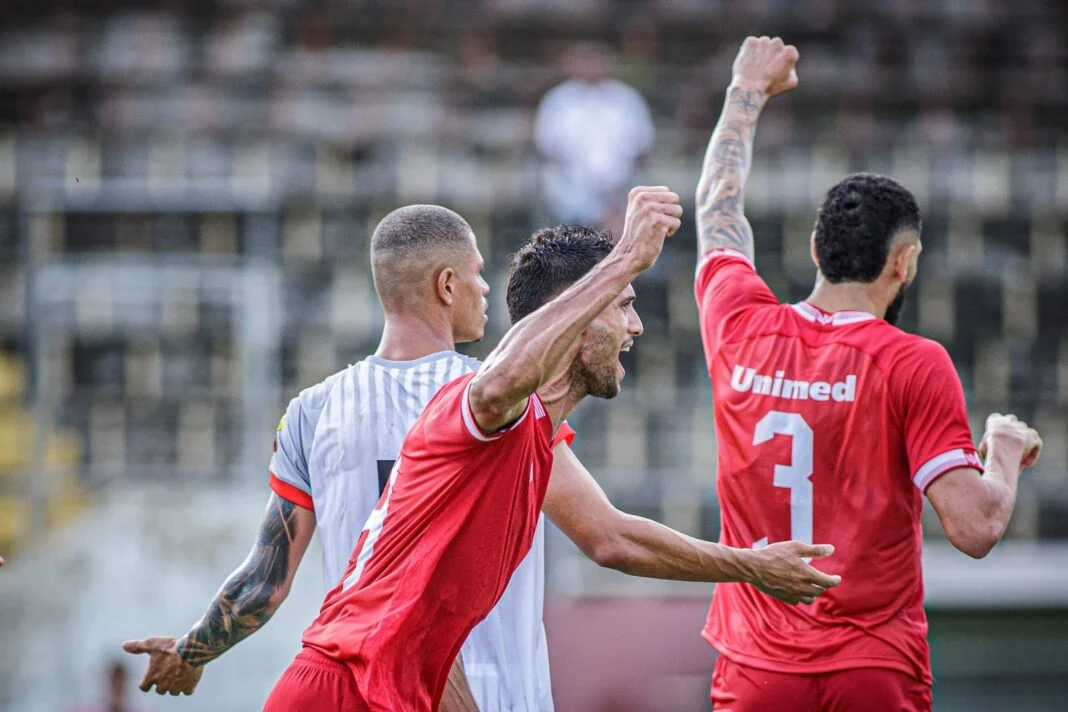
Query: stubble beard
point(893, 312)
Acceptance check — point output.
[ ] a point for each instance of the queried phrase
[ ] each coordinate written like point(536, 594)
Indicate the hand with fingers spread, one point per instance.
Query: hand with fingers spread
point(1017, 439)
point(782, 570)
point(653, 215)
point(166, 668)
point(766, 64)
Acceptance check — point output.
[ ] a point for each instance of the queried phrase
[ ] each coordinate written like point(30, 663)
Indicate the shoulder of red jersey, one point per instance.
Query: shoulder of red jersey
point(476, 431)
point(728, 289)
point(891, 347)
point(455, 396)
point(901, 347)
point(719, 257)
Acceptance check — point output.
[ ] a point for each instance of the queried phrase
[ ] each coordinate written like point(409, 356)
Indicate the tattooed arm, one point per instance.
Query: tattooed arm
point(763, 68)
point(254, 592)
point(246, 601)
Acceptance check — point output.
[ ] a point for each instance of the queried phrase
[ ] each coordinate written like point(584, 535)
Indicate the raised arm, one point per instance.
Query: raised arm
point(763, 68)
point(641, 547)
point(532, 351)
point(246, 601)
point(975, 508)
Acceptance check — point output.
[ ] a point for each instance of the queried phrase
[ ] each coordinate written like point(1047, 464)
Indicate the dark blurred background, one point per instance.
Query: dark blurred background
point(187, 190)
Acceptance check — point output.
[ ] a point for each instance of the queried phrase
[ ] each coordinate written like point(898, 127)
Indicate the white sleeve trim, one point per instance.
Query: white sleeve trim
point(722, 252)
point(472, 426)
point(940, 464)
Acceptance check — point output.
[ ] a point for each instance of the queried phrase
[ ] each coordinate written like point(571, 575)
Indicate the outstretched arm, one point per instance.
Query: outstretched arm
point(252, 594)
point(533, 349)
point(641, 547)
point(763, 68)
point(246, 601)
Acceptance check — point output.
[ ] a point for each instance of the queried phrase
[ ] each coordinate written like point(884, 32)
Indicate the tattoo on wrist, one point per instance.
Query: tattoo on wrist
point(750, 101)
point(245, 601)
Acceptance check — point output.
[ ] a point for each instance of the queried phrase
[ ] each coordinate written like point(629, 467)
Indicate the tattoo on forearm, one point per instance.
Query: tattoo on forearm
point(244, 603)
point(721, 221)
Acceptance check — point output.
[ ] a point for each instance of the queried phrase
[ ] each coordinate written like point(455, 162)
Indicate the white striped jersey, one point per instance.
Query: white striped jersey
point(334, 452)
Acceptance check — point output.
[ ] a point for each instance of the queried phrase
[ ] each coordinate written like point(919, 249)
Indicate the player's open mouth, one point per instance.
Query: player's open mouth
point(619, 364)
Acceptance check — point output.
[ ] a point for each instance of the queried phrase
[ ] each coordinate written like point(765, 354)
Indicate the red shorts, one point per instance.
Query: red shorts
point(315, 683)
point(740, 688)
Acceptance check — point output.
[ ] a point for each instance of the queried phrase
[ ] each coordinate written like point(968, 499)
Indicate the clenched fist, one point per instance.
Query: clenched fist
point(652, 216)
point(766, 64)
point(1012, 434)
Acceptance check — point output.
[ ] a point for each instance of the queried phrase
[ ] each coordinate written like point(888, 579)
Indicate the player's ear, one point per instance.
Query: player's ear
point(901, 261)
point(812, 249)
point(914, 262)
point(445, 285)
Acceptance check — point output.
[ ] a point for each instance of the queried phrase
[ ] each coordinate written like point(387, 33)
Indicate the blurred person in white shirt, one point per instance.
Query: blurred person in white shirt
point(591, 130)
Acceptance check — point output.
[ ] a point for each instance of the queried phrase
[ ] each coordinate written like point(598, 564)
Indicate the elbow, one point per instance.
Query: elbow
point(608, 552)
point(975, 549)
point(609, 557)
point(273, 601)
point(975, 542)
point(494, 390)
point(495, 394)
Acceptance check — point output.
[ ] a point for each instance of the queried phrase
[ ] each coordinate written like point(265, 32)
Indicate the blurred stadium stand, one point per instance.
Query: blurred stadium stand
point(187, 193)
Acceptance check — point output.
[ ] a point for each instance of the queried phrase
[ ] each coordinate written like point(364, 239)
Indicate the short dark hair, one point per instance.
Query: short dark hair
point(859, 218)
point(553, 260)
point(400, 245)
point(418, 226)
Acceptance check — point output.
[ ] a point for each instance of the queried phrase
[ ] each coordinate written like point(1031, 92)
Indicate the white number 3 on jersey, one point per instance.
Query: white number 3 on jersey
point(796, 476)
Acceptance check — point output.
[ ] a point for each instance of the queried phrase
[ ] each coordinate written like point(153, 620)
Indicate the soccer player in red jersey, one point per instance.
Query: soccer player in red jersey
point(832, 424)
point(463, 500)
point(427, 267)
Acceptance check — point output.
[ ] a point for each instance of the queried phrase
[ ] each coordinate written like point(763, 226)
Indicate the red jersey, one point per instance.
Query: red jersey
point(830, 427)
point(455, 520)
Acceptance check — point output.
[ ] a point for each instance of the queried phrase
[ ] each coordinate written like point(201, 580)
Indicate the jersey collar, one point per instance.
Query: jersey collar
point(818, 316)
point(389, 363)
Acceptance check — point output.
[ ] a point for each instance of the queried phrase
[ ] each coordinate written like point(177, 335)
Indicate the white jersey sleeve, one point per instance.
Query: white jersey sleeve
point(289, 477)
point(290, 474)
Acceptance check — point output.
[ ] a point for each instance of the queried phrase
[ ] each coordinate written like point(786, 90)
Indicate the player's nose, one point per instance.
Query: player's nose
point(634, 324)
